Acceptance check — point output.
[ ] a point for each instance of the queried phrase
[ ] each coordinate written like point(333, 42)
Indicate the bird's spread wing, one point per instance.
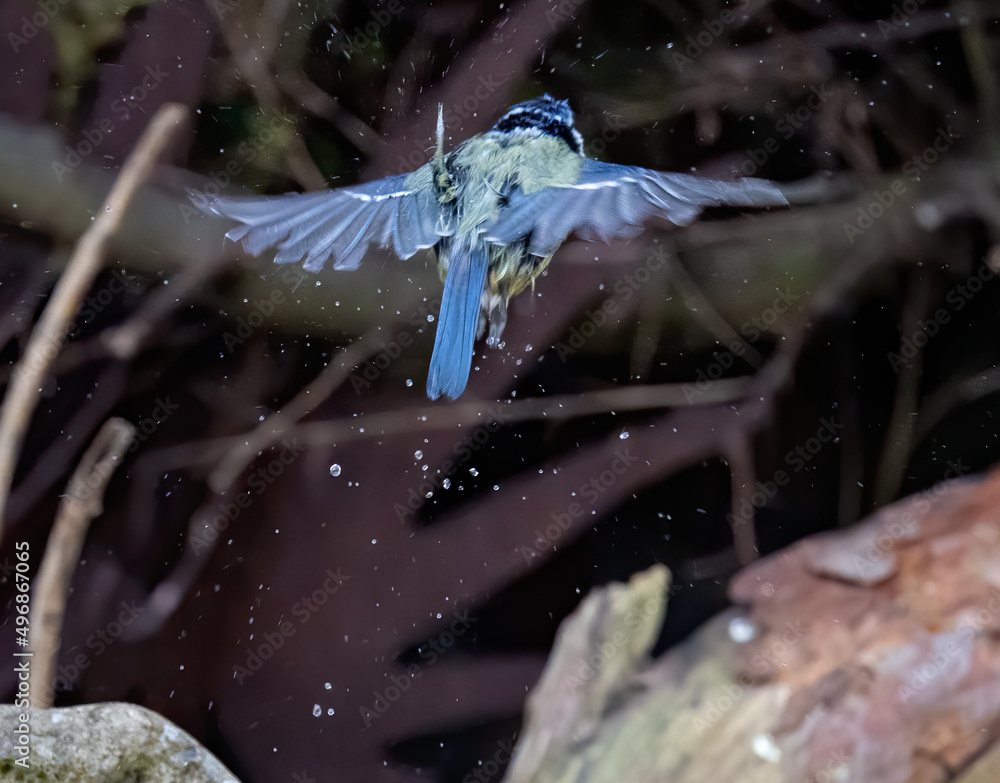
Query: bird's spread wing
point(341, 223)
point(609, 201)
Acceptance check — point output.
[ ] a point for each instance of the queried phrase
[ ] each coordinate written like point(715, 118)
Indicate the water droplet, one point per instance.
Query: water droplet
point(418, 454)
point(765, 747)
point(317, 710)
point(335, 470)
point(741, 630)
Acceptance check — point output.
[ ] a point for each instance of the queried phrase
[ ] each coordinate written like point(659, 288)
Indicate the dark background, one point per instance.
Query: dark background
point(875, 293)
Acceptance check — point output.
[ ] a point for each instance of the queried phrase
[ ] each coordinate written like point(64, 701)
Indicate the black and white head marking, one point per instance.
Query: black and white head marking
point(543, 115)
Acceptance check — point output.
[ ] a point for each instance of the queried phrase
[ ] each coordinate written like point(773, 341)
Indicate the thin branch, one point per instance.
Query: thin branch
point(81, 271)
point(81, 504)
point(254, 65)
point(442, 417)
point(310, 97)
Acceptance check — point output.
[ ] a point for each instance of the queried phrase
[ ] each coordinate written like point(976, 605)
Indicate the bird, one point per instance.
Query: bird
point(495, 209)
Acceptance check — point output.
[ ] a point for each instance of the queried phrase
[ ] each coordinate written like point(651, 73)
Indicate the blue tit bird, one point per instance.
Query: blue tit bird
point(495, 209)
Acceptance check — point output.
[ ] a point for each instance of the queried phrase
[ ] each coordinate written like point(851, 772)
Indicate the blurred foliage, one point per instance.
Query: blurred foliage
point(82, 29)
point(841, 101)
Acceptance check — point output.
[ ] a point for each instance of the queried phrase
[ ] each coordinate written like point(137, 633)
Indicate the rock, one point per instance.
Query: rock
point(105, 743)
point(866, 655)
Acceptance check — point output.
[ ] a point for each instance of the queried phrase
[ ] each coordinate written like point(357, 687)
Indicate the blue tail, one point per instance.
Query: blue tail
point(456, 331)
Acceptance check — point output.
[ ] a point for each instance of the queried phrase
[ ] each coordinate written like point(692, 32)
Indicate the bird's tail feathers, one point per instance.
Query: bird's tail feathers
point(458, 322)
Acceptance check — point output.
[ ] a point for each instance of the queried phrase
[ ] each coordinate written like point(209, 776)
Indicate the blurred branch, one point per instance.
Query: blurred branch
point(81, 504)
point(254, 64)
point(300, 89)
point(445, 417)
point(83, 267)
point(705, 312)
point(981, 69)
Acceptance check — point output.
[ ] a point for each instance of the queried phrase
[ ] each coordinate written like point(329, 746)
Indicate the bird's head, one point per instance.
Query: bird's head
point(543, 115)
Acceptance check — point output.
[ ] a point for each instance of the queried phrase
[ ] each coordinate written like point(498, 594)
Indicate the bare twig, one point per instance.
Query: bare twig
point(254, 64)
point(81, 504)
point(306, 94)
point(83, 267)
